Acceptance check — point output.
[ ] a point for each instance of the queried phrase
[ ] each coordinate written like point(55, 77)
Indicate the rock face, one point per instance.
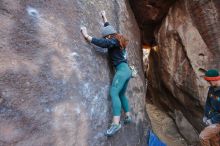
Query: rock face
point(186, 129)
point(53, 84)
point(183, 54)
point(206, 16)
point(164, 126)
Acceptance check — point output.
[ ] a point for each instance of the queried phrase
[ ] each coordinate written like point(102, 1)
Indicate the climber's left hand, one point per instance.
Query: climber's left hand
point(209, 122)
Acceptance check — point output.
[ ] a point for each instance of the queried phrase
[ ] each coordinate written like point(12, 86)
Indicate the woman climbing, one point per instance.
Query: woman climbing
point(116, 44)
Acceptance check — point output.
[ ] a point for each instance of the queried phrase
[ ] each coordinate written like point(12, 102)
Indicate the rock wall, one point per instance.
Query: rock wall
point(53, 84)
point(164, 126)
point(182, 56)
point(187, 37)
point(206, 16)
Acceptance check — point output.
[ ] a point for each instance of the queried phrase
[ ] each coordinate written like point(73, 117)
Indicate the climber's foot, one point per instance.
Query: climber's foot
point(113, 129)
point(127, 120)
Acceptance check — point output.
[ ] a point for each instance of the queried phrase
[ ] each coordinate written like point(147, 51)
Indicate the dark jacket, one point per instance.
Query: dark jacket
point(116, 54)
point(212, 106)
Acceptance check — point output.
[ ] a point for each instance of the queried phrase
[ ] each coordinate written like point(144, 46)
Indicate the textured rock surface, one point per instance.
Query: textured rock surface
point(164, 126)
point(206, 16)
point(181, 57)
point(186, 129)
point(53, 85)
point(188, 44)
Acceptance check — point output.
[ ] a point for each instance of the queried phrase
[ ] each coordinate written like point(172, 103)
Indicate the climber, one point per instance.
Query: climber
point(116, 44)
point(210, 135)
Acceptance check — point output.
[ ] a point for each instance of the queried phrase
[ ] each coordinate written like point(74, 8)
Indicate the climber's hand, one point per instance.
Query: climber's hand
point(85, 34)
point(84, 31)
point(204, 119)
point(209, 122)
point(103, 14)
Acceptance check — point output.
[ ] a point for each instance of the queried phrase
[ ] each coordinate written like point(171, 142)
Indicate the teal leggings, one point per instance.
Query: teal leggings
point(118, 89)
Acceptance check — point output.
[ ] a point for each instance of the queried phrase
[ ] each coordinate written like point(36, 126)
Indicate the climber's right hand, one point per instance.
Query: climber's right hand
point(85, 34)
point(84, 31)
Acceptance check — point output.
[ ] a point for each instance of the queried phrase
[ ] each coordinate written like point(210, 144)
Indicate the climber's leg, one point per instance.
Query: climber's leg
point(121, 76)
point(117, 85)
point(124, 99)
point(118, 88)
point(125, 103)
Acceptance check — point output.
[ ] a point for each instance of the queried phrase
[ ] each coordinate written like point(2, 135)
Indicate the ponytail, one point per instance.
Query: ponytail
point(122, 40)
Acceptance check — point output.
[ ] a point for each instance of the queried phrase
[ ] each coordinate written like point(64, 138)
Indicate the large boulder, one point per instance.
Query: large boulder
point(164, 126)
point(53, 84)
point(182, 56)
point(188, 44)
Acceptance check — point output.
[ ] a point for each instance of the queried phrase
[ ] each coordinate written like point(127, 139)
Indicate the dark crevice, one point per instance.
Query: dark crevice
point(202, 70)
point(4, 11)
point(149, 15)
point(201, 54)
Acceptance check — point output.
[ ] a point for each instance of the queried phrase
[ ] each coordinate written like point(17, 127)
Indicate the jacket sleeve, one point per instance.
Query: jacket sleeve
point(216, 118)
point(106, 24)
point(105, 43)
point(207, 105)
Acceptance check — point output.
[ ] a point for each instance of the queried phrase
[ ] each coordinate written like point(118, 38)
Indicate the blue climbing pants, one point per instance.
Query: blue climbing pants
point(118, 89)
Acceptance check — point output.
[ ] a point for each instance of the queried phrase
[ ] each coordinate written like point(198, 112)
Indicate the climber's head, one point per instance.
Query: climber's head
point(213, 77)
point(108, 30)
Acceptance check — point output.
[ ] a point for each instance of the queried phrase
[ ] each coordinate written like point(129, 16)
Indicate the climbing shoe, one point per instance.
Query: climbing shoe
point(113, 129)
point(127, 120)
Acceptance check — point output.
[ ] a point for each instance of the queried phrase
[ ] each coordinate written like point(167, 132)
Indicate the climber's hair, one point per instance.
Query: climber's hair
point(122, 40)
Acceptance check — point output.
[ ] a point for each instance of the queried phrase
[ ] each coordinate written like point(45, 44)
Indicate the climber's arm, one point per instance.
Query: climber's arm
point(104, 43)
point(105, 20)
point(208, 106)
point(85, 34)
point(106, 24)
point(101, 42)
point(215, 118)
